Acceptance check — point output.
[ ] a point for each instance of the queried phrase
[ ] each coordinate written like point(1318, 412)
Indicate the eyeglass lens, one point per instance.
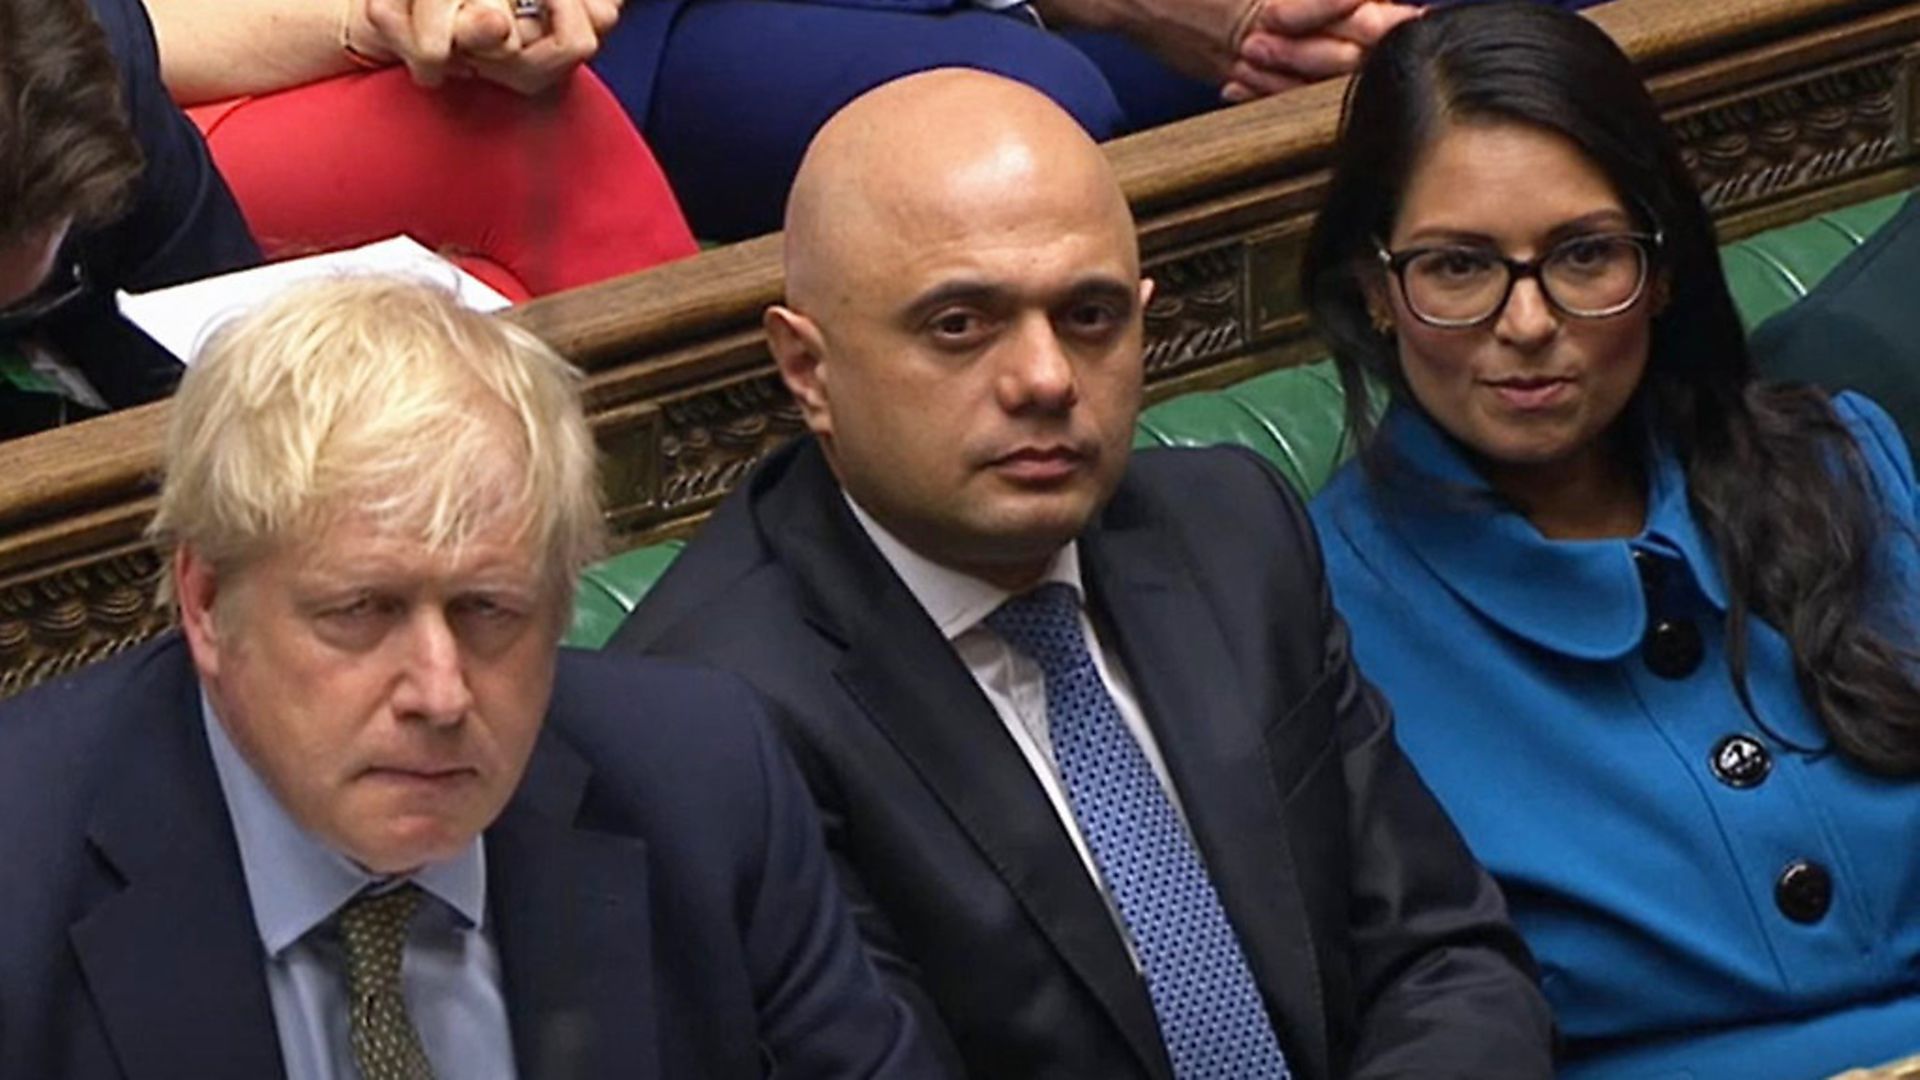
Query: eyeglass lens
point(1588, 276)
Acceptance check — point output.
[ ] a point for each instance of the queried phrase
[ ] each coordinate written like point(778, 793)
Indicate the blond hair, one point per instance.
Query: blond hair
point(385, 398)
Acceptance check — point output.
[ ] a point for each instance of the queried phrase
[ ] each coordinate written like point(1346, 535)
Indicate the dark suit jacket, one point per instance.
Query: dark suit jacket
point(1859, 329)
point(1381, 948)
point(659, 897)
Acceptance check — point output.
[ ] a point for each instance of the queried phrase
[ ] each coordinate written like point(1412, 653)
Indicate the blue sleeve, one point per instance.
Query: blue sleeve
point(1883, 449)
point(184, 223)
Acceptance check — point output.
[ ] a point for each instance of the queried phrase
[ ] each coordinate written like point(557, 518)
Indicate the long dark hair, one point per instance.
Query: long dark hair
point(1773, 475)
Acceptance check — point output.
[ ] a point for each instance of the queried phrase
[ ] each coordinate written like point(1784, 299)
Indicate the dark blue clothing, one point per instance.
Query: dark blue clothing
point(1538, 693)
point(1860, 328)
point(729, 92)
point(657, 889)
point(182, 224)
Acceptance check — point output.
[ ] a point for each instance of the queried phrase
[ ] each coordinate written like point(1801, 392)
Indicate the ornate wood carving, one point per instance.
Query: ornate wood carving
point(56, 621)
point(1808, 132)
point(1198, 312)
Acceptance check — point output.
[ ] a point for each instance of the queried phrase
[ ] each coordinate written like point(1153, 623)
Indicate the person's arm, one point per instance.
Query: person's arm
point(1447, 986)
point(1248, 46)
point(215, 49)
point(1291, 43)
point(824, 1010)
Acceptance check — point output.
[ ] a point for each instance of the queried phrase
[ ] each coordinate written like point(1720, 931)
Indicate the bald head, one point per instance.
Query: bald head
point(928, 157)
point(964, 319)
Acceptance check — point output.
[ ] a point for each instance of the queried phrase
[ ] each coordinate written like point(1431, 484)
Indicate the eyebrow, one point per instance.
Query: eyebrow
point(985, 294)
point(1598, 221)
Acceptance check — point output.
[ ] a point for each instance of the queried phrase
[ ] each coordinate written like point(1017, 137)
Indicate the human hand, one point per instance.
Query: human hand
point(1199, 38)
point(1291, 43)
point(547, 47)
point(441, 39)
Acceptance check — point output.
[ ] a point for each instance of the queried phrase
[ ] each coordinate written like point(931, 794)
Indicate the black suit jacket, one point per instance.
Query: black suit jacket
point(658, 894)
point(1380, 946)
point(1860, 328)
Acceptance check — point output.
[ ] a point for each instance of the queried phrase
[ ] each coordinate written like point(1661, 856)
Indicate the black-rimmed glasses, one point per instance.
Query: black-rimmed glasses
point(1587, 277)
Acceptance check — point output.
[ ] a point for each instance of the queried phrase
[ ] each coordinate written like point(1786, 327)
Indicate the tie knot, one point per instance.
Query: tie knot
point(373, 929)
point(1043, 623)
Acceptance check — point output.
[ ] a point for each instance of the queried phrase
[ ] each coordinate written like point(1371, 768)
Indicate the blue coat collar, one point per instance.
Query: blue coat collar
point(1581, 598)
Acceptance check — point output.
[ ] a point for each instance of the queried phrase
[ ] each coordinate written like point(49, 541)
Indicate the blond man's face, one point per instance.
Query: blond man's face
point(388, 694)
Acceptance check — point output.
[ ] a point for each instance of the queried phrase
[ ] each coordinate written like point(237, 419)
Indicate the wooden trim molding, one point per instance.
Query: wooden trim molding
point(1783, 108)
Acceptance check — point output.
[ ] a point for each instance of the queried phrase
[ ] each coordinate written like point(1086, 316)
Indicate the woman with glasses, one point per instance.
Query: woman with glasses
point(1647, 624)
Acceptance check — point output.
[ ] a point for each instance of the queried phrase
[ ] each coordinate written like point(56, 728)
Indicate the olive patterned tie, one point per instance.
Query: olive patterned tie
point(374, 930)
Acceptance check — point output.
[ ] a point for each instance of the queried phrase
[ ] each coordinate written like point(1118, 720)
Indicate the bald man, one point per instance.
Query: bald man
point(1107, 792)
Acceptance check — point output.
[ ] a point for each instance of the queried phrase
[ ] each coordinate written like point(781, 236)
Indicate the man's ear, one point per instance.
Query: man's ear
point(799, 351)
point(196, 591)
point(1147, 286)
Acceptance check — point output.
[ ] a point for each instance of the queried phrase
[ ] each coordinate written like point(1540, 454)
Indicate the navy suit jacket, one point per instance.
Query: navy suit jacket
point(659, 896)
point(1380, 946)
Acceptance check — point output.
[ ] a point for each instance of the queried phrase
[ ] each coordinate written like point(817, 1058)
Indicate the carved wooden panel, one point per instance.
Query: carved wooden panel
point(1805, 132)
point(57, 621)
point(1198, 311)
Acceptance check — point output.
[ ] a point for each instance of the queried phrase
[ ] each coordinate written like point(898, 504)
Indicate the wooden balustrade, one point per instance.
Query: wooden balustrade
point(1784, 107)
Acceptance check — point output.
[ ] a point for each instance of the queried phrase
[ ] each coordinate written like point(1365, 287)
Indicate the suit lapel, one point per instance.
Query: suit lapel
point(906, 678)
point(1214, 746)
point(570, 918)
point(173, 961)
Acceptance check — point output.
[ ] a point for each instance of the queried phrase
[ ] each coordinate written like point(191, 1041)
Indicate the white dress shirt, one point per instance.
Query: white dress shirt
point(958, 604)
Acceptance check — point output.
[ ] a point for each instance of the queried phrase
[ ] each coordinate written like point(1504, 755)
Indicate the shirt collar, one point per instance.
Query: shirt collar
point(295, 882)
point(1496, 561)
point(956, 601)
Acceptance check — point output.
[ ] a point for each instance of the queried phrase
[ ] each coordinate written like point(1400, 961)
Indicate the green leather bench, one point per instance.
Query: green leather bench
point(1294, 416)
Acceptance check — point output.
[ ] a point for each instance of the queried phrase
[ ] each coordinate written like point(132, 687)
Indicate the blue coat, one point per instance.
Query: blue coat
point(1648, 886)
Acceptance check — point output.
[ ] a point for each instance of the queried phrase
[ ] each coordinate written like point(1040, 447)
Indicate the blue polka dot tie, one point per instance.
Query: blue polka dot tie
point(1212, 1020)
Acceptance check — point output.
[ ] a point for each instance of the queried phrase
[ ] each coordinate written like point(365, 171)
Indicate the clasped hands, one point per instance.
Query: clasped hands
point(1246, 47)
point(442, 39)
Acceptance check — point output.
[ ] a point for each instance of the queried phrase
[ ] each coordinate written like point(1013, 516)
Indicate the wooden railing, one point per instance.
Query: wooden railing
point(1784, 107)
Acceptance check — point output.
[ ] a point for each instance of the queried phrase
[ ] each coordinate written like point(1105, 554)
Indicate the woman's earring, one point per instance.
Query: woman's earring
point(1382, 324)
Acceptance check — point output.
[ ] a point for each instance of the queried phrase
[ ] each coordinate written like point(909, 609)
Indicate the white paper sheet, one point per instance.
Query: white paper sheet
point(180, 317)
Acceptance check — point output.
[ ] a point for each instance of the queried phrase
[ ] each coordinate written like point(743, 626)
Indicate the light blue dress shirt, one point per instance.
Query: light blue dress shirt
point(1644, 881)
point(450, 971)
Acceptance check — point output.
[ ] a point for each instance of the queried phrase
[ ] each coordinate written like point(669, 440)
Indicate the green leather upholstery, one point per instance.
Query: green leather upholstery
point(610, 588)
point(1770, 271)
point(1293, 416)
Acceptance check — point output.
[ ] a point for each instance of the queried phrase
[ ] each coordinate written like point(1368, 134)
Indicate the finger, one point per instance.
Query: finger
point(1303, 58)
point(1235, 93)
point(1371, 21)
point(433, 32)
point(484, 29)
point(571, 31)
point(1258, 82)
point(1296, 17)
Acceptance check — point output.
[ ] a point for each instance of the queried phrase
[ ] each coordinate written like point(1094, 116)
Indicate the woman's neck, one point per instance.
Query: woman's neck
point(1597, 494)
